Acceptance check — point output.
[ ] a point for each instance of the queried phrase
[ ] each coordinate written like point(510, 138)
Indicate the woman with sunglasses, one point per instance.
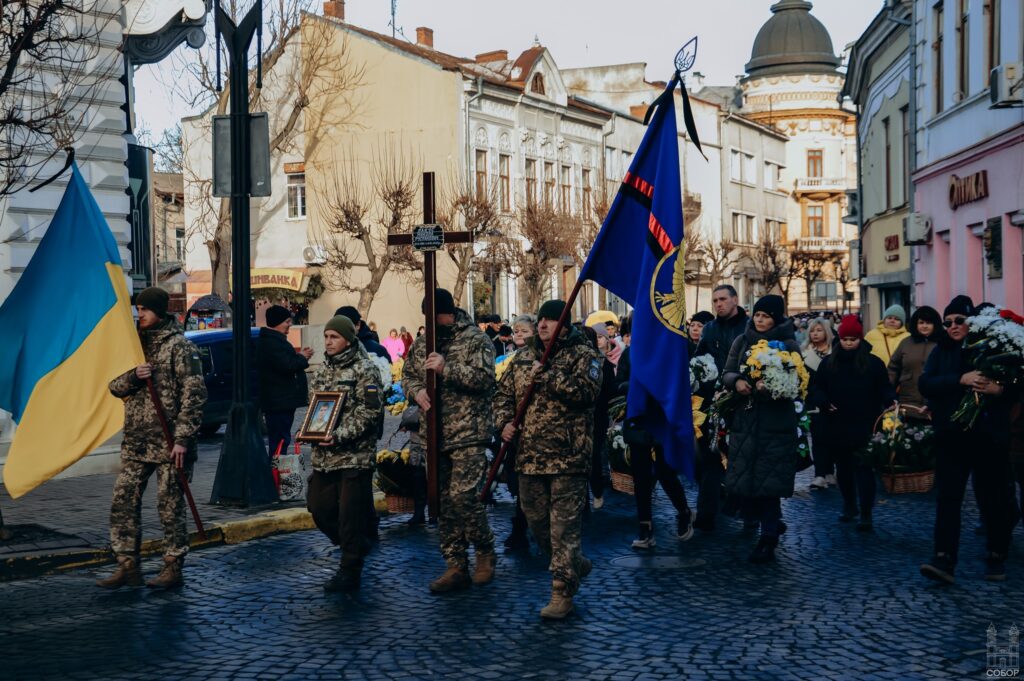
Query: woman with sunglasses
point(983, 450)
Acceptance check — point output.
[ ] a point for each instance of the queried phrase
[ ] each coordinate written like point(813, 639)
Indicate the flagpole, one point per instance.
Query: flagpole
point(524, 403)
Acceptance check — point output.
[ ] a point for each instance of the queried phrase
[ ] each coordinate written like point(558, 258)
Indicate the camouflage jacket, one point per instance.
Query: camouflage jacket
point(556, 435)
point(362, 413)
point(466, 386)
point(178, 377)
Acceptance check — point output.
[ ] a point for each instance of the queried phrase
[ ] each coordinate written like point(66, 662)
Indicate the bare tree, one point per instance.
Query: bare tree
point(319, 80)
point(544, 236)
point(48, 73)
point(809, 265)
point(771, 261)
point(718, 260)
point(170, 153)
point(841, 271)
point(355, 221)
point(475, 209)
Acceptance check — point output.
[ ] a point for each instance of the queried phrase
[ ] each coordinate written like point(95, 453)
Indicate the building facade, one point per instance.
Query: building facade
point(505, 127)
point(878, 83)
point(969, 181)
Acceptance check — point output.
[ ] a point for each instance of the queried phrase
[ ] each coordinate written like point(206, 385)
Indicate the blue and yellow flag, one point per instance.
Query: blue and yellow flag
point(638, 256)
point(67, 331)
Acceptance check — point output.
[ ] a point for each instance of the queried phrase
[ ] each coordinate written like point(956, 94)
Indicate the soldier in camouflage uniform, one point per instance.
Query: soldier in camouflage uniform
point(174, 366)
point(341, 485)
point(464, 362)
point(554, 447)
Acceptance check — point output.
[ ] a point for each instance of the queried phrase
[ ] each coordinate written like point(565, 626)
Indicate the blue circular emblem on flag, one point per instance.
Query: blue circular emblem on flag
point(668, 291)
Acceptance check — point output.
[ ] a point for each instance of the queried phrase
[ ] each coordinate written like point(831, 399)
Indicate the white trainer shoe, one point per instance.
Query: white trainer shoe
point(819, 483)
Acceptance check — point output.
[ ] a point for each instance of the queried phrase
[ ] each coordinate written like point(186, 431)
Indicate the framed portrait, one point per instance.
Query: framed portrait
point(321, 417)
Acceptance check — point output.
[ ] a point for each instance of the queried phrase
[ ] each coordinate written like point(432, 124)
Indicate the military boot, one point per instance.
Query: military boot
point(127, 574)
point(170, 576)
point(345, 580)
point(560, 606)
point(485, 563)
point(453, 579)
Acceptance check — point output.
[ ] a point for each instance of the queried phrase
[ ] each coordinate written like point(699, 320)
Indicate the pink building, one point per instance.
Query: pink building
point(975, 199)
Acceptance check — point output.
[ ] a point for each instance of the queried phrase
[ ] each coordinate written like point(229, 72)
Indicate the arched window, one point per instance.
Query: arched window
point(537, 84)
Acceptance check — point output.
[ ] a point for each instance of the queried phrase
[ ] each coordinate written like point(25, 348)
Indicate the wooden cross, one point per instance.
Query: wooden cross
point(428, 238)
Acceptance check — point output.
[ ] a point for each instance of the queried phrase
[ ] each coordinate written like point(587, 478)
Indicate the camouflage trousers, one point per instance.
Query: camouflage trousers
point(553, 505)
point(126, 508)
point(463, 520)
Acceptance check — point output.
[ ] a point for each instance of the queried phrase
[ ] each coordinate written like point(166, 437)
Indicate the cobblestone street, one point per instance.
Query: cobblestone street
point(837, 605)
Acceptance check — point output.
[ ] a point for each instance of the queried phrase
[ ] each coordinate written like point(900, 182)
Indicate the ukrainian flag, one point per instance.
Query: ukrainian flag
point(66, 330)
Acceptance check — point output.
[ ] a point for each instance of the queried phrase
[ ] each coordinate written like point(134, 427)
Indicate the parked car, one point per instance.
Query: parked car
point(216, 350)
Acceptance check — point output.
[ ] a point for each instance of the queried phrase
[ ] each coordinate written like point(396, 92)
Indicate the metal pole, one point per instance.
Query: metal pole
point(912, 142)
point(243, 471)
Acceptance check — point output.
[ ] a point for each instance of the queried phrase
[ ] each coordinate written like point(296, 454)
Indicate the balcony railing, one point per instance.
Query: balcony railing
point(821, 184)
point(825, 244)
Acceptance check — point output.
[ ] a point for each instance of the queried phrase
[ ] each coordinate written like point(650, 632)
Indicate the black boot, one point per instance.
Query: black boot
point(849, 514)
point(865, 523)
point(345, 580)
point(764, 551)
point(518, 539)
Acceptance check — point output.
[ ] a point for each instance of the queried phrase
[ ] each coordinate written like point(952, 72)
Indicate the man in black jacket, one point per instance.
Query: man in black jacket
point(983, 450)
point(282, 372)
point(730, 321)
point(363, 332)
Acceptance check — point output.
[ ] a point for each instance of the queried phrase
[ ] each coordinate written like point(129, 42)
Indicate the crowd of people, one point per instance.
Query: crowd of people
point(746, 458)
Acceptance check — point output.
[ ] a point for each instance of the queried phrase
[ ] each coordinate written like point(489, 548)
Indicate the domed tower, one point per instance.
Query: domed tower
point(793, 84)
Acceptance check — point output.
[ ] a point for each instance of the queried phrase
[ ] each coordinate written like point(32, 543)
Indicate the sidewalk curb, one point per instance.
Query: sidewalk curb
point(264, 524)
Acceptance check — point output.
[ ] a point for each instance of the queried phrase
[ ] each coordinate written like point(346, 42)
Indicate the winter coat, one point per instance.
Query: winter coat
point(907, 365)
point(395, 347)
point(282, 372)
point(940, 386)
point(362, 413)
point(465, 387)
point(718, 335)
point(858, 397)
point(763, 438)
point(178, 378)
point(371, 344)
point(608, 389)
point(556, 434)
point(884, 341)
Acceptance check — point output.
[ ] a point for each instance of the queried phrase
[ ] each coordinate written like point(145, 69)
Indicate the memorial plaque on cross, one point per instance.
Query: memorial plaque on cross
point(428, 238)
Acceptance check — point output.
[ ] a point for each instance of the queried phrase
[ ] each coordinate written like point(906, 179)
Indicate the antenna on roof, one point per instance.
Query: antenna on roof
point(394, 11)
point(536, 40)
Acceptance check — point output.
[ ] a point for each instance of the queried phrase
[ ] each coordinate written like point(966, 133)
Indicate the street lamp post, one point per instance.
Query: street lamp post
point(243, 471)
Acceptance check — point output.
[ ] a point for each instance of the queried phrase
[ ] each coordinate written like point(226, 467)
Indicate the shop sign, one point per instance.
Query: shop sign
point(967, 189)
point(276, 278)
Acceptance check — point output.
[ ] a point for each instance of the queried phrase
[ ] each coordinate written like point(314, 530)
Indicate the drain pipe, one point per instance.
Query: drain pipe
point(469, 187)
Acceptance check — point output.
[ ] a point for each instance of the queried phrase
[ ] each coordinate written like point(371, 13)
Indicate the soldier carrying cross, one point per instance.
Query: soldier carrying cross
point(450, 374)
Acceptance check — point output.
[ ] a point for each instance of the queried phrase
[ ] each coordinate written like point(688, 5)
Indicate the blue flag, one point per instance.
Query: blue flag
point(638, 255)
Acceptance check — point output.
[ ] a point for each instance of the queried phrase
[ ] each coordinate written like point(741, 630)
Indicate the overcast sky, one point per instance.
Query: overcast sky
point(577, 32)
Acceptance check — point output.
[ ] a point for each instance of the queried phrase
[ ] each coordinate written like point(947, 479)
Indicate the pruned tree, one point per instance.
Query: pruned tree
point(464, 206)
point(49, 71)
point(544, 235)
point(306, 70)
point(809, 265)
point(771, 262)
point(718, 260)
point(355, 220)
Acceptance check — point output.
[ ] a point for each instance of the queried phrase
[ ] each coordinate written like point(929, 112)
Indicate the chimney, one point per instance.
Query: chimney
point(335, 9)
point(493, 55)
point(425, 37)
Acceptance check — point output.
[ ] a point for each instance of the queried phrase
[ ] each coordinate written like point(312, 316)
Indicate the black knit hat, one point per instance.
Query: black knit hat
point(350, 312)
point(703, 317)
point(773, 306)
point(444, 303)
point(959, 305)
point(277, 314)
point(553, 310)
point(154, 299)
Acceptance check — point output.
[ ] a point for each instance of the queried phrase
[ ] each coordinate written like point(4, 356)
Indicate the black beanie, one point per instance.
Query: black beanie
point(773, 306)
point(703, 317)
point(553, 310)
point(959, 305)
point(154, 299)
point(277, 314)
point(350, 312)
point(443, 302)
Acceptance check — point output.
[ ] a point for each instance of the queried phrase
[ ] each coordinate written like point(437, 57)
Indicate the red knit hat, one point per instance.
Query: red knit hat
point(850, 327)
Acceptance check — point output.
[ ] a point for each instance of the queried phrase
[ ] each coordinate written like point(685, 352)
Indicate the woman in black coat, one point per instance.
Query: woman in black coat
point(852, 388)
point(763, 436)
